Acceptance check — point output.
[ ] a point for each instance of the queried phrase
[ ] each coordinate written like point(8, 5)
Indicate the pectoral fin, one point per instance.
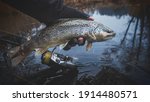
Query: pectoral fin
point(88, 46)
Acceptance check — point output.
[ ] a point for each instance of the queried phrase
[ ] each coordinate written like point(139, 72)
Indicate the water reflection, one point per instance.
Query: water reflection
point(128, 52)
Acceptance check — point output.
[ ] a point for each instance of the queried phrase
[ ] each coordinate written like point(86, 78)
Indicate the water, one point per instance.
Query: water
point(127, 52)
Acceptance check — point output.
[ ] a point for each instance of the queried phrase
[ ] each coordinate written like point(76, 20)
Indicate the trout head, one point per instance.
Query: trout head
point(101, 33)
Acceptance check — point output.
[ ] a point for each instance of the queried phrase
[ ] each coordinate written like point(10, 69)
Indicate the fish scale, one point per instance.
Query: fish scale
point(63, 31)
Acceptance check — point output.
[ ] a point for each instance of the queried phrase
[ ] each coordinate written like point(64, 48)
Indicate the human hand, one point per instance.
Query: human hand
point(90, 18)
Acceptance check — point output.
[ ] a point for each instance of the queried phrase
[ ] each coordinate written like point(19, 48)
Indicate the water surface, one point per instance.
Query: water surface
point(127, 52)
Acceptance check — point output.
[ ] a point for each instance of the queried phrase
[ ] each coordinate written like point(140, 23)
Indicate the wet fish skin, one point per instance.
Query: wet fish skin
point(61, 32)
point(66, 29)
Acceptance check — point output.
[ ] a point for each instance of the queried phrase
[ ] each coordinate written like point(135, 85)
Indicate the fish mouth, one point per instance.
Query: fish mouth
point(109, 35)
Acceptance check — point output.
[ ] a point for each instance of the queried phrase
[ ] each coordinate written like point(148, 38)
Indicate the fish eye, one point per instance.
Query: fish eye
point(109, 31)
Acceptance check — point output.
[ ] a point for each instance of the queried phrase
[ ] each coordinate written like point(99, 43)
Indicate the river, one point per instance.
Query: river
point(127, 52)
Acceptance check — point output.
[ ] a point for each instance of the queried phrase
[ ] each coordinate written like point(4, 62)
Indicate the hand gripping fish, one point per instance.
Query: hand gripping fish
point(61, 32)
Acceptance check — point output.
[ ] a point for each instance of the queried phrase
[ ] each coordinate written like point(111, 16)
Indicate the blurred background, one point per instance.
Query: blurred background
point(125, 59)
